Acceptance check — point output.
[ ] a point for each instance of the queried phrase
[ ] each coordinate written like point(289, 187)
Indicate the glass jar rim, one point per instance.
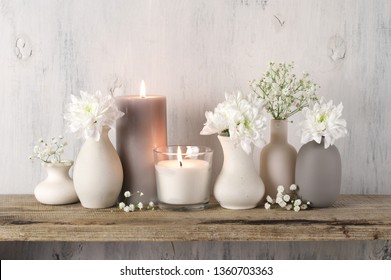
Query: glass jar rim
point(172, 150)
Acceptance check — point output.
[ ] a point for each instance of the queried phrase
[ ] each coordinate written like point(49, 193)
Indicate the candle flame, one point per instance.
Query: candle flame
point(179, 155)
point(142, 89)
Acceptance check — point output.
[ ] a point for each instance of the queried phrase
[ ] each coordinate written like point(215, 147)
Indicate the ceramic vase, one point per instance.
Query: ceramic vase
point(238, 186)
point(98, 174)
point(57, 188)
point(278, 159)
point(318, 173)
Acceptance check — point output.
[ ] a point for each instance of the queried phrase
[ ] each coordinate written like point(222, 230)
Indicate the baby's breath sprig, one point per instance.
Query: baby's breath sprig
point(289, 201)
point(131, 207)
point(49, 151)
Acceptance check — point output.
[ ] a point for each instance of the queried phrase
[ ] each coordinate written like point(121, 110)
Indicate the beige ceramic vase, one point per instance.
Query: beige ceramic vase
point(278, 159)
point(238, 185)
point(57, 188)
point(98, 174)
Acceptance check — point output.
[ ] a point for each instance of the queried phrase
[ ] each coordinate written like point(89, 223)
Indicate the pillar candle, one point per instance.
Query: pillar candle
point(138, 132)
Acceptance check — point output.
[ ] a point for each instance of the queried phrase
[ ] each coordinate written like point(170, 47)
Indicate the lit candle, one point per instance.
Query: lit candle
point(138, 132)
point(183, 182)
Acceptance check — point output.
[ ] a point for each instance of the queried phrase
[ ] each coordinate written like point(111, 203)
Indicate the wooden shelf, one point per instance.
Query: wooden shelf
point(353, 217)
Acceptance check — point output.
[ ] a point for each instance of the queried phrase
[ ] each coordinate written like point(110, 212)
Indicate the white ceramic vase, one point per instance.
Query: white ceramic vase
point(98, 174)
point(238, 185)
point(57, 188)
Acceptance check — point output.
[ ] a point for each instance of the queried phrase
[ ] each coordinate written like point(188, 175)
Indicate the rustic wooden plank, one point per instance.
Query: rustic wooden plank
point(353, 217)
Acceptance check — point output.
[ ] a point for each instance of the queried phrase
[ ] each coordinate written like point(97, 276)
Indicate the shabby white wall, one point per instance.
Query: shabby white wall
point(192, 52)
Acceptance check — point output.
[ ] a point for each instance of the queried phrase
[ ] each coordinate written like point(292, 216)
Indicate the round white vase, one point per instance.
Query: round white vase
point(58, 187)
point(98, 174)
point(238, 185)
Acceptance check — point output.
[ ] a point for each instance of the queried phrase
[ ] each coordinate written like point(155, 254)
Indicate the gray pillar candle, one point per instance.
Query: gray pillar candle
point(138, 132)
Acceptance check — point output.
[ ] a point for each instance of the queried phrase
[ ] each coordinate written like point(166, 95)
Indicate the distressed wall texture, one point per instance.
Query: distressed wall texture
point(192, 52)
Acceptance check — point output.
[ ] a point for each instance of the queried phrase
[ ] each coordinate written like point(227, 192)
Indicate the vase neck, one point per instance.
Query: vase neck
point(278, 131)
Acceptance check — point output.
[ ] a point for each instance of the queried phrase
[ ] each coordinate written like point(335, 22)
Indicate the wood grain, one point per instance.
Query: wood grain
point(353, 217)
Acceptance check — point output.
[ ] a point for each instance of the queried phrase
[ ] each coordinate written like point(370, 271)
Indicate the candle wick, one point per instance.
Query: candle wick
point(180, 163)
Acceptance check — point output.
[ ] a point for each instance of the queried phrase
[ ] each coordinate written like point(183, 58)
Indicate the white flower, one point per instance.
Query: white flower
point(240, 118)
point(293, 187)
point(88, 114)
point(283, 94)
point(288, 207)
point(267, 206)
point(269, 199)
point(280, 189)
point(279, 200)
point(297, 202)
point(286, 197)
point(121, 205)
point(140, 205)
point(296, 208)
point(151, 204)
point(141, 193)
point(282, 204)
point(131, 207)
point(127, 194)
point(126, 209)
point(323, 120)
point(304, 206)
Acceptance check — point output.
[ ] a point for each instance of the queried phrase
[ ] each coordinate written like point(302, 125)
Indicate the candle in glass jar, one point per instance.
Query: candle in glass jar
point(138, 132)
point(183, 182)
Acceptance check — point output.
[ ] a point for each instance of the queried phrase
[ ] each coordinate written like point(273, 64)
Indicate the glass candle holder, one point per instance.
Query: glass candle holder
point(183, 176)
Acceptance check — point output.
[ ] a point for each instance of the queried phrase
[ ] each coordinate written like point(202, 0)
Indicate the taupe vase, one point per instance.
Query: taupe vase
point(318, 174)
point(278, 159)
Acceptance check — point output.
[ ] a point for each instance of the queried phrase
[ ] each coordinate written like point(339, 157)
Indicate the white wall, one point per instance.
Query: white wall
point(192, 52)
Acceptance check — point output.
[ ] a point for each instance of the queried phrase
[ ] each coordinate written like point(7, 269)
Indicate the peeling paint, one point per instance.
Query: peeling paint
point(23, 48)
point(116, 88)
point(336, 48)
point(278, 22)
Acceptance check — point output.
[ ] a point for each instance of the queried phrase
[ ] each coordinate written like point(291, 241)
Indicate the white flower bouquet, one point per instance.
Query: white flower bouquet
point(282, 92)
point(49, 151)
point(323, 120)
point(239, 118)
point(88, 114)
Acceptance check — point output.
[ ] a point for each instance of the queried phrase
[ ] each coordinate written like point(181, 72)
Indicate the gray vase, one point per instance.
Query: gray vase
point(318, 174)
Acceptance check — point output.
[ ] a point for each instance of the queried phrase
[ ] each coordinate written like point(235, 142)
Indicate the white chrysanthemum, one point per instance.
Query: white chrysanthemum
point(293, 187)
point(286, 197)
point(240, 118)
point(121, 205)
point(151, 204)
point(296, 208)
point(88, 114)
point(297, 202)
point(126, 209)
point(140, 205)
point(323, 120)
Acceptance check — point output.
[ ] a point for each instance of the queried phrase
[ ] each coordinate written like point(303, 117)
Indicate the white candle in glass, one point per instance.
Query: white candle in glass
point(183, 181)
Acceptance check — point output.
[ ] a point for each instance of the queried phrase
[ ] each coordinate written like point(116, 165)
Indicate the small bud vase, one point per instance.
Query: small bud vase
point(57, 188)
point(318, 173)
point(98, 173)
point(238, 185)
point(278, 159)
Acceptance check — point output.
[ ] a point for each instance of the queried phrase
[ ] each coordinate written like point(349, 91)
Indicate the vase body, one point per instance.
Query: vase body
point(278, 159)
point(98, 174)
point(318, 174)
point(238, 185)
point(58, 187)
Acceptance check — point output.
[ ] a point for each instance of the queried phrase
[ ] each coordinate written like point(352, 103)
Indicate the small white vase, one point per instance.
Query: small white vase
point(98, 174)
point(238, 185)
point(57, 188)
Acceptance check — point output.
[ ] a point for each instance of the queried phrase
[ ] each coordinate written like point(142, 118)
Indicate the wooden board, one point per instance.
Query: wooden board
point(353, 217)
